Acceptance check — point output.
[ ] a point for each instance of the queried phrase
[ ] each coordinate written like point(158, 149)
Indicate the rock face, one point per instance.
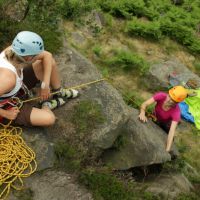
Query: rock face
point(170, 185)
point(15, 11)
point(43, 148)
point(78, 71)
point(144, 144)
point(159, 73)
point(53, 185)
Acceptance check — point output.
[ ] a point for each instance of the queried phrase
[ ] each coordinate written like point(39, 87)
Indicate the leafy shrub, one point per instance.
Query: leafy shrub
point(37, 20)
point(124, 8)
point(178, 22)
point(104, 185)
point(157, 8)
point(150, 30)
point(97, 50)
point(72, 9)
point(135, 100)
point(128, 61)
point(182, 34)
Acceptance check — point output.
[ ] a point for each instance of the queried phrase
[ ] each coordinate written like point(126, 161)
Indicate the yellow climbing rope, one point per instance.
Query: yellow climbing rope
point(17, 160)
point(73, 87)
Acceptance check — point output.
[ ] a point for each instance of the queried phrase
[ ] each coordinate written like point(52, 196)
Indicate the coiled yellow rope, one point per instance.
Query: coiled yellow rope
point(17, 160)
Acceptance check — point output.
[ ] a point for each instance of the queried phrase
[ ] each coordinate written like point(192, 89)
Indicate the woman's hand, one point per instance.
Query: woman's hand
point(44, 93)
point(11, 114)
point(142, 117)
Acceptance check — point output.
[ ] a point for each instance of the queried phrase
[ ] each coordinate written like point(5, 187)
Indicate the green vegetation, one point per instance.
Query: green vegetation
point(149, 30)
point(68, 157)
point(190, 148)
point(97, 50)
point(152, 19)
point(177, 165)
point(127, 61)
point(120, 142)
point(191, 196)
point(87, 115)
point(106, 186)
point(72, 9)
point(38, 20)
point(135, 100)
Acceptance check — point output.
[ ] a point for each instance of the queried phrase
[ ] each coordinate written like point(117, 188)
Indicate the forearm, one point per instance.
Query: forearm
point(146, 104)
point(171, 135)
point(169, 140)
point(143, 108)
point(2, 112)
point(47, 64)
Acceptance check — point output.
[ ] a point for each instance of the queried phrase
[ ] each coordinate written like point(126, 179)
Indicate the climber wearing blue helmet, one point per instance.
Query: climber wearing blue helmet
point(23, 65)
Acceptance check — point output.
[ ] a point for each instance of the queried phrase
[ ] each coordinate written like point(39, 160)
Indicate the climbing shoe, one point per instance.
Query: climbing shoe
point(53, 103)
point(65, 93)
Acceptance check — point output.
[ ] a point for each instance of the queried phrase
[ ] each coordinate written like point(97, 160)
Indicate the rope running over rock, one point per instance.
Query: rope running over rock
point(17, 160)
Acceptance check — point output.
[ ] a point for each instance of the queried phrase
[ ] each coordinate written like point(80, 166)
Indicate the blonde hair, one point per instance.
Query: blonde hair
point(12, 57)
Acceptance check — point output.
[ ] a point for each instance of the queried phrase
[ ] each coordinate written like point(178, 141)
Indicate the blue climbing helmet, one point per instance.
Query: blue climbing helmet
point(27, 43)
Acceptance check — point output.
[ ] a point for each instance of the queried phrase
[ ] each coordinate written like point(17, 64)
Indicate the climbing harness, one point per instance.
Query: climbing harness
point(17, 160)
point(10, 103)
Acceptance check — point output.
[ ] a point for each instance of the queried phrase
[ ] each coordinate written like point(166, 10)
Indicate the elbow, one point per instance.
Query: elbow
point(50, 55)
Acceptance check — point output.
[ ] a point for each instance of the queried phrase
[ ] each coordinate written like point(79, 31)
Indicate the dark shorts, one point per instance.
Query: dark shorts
point(164, 126)
point(30, 80)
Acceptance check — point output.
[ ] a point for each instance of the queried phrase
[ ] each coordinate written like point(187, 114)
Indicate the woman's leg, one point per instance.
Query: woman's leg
point(42, 117)
point(31, 116)
point(55, 82)
point(63, 94)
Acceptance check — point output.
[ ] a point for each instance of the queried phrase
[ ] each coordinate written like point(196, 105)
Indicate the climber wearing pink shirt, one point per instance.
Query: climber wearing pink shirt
point(167, 111)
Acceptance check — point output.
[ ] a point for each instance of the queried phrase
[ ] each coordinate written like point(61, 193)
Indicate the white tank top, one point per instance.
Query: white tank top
point(19, 80)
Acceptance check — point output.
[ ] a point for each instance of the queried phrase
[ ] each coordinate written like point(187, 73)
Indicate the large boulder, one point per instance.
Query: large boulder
point(77, 70)
point(144, 144)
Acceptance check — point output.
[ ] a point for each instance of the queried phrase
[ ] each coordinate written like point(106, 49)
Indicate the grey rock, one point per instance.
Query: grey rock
point(37, 140)
point(144, 145)
point(170, 185)
point(98, 18)
point(159, 73)
point(56, 185)
point(79, 71)
point(15, 10)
